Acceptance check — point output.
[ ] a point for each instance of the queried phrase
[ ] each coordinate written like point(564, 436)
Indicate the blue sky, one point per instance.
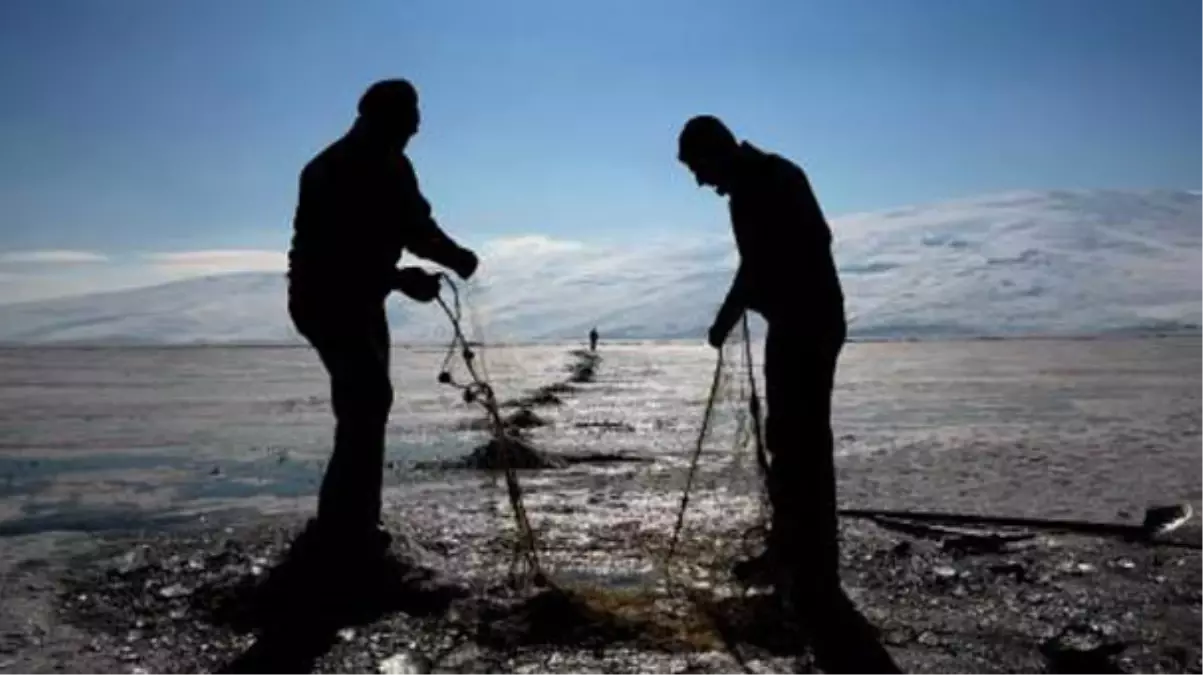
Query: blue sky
point(145, 128)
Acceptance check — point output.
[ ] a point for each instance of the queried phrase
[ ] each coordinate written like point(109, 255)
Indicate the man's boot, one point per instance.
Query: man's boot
point(768, 568)
point(757, 571)
point(843, 640)
point(764, 570)
point(323, 564)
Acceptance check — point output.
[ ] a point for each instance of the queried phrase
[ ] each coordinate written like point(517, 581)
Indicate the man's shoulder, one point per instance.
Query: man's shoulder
point(343, 157)
point(325, 160)
point(783, 166)
point(772, 166)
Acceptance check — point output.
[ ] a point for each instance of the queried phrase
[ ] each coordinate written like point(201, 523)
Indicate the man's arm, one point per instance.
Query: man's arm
point(426, 239)
point(732, 308)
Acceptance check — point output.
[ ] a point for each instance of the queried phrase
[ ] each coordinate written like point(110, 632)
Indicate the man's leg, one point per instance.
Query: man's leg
point(356, 354)
point(799, 377)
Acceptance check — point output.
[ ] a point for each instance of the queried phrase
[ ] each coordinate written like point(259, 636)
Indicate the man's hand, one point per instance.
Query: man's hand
point(417, 283)
point(716, 337)
point(732, 308)
point(719, 331)
point(465, 264)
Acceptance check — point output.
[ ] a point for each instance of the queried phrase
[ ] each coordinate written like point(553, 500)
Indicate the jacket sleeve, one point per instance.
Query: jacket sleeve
point(425, 238)
point(737, 298)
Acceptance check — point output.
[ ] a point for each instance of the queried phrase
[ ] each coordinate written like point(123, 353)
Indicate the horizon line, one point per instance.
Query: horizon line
point(1185, 332)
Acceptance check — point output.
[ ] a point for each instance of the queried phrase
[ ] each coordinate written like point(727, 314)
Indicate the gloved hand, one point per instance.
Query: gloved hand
point(416, 283)
point(717, 335)
point(465, 264)
point(723, 324)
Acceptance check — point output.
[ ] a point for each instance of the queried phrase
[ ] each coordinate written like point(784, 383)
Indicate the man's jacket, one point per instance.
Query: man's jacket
point(359, 207)
point(787, 271)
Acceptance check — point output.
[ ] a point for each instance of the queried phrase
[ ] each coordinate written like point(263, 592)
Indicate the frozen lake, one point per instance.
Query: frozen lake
point(104, 437)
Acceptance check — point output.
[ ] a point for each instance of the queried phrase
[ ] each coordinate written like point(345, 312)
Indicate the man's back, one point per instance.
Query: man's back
point(784, 240)
point(355, 201)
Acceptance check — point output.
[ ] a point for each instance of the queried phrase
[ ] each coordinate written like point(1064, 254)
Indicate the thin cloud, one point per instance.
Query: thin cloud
point(52, 257)
point(218, 261)
point(529, 245)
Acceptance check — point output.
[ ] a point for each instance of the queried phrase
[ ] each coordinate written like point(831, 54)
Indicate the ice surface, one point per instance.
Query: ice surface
point(90, 438)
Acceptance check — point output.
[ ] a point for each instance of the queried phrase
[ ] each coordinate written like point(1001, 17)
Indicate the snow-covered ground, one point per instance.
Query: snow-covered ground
point(1050, 263)
point(228, 442)
point(93, 437)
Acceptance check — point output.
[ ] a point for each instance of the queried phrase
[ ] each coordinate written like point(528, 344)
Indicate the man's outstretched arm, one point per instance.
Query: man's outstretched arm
point(732, 308)
point(430, 242)
point(426, 239)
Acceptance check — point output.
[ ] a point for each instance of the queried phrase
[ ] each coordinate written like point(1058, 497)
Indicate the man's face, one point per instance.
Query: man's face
point(406, 126)
point(412, 122)
point(708, 173)
point(397, 130)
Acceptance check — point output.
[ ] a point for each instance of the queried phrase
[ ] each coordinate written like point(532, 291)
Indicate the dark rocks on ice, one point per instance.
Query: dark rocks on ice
point(544, 396)
point(513, 452)
point(517, 453)
point(519, 420)
point(583, 372)
point(584, 368)
point(192, 603)
point(525, 419)
point(606, 425)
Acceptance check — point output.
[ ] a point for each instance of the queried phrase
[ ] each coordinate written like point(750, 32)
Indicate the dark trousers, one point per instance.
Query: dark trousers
point(352, 340)
point(799, 368)
point(799, 371)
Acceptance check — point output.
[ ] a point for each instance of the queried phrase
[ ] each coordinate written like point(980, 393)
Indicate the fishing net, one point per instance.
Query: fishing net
point(709, 508)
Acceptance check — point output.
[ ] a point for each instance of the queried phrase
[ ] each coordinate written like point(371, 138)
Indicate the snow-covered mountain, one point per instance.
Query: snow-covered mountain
point(1051, 263)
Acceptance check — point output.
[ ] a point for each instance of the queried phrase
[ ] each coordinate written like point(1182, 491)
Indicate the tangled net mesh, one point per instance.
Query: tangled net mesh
point(680, 605)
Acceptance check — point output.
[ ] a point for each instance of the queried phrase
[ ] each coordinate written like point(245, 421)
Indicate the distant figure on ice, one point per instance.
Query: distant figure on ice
point(593, 339)
point(788, 275)
point(359, 207)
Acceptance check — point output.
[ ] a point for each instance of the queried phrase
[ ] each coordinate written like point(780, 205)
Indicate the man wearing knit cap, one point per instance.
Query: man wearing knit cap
point(359, 208)
point(787, 274)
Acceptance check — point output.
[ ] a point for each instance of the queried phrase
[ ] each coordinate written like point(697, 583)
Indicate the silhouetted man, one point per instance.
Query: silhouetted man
point(359, 208)
point(788, 275)
point(593, 339)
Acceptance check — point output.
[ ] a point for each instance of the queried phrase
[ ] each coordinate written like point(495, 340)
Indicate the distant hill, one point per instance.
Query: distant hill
point(1047, 263)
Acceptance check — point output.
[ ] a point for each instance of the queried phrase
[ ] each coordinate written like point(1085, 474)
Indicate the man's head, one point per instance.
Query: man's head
point(710, 151)
point(389, 110)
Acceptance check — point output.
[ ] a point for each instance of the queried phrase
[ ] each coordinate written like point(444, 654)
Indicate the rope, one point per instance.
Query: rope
point(762, 459)
point(479, 391)
point(693, 464)
point(721, 625)
point(758, 436)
